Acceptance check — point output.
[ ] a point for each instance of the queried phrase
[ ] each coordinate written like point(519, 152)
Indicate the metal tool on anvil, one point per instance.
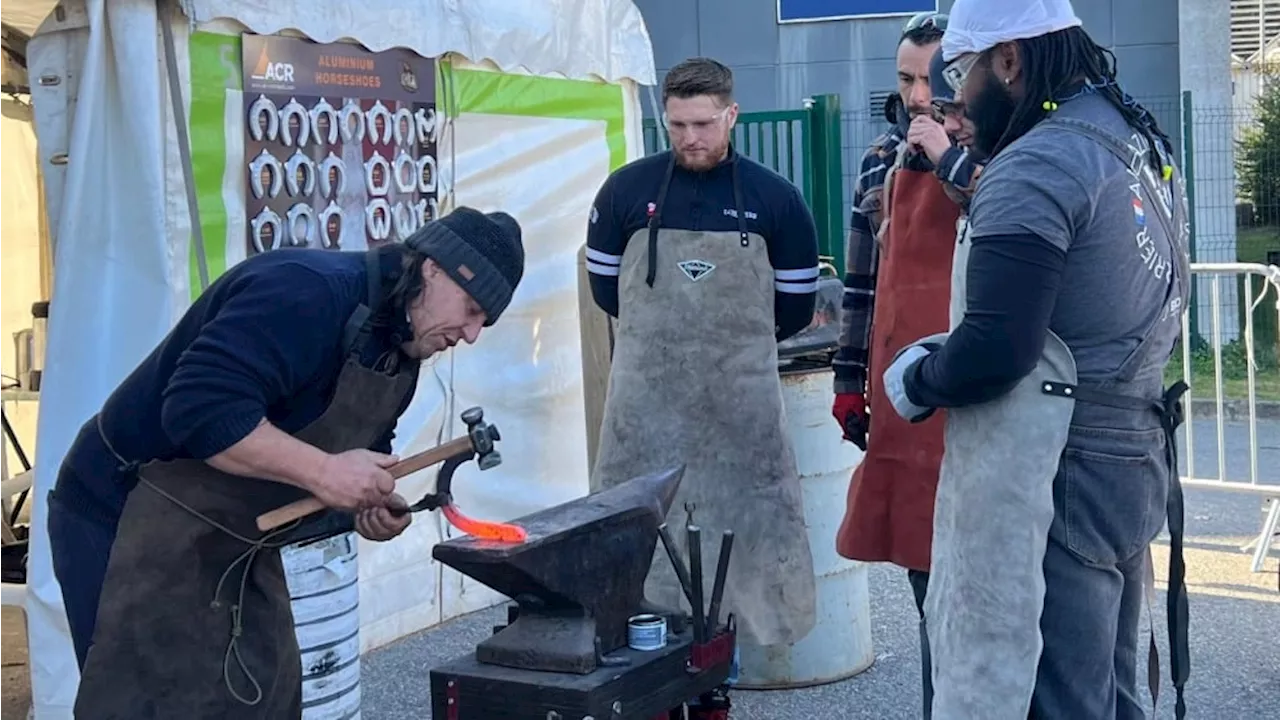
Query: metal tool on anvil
point(711, 646)
point(477, 444)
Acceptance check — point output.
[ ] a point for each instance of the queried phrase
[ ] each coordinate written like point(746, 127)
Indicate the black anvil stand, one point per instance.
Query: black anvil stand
point(576, 581)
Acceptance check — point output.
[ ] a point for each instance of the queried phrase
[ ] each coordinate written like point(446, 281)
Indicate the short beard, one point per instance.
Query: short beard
point(716, 155)
point(991, 110)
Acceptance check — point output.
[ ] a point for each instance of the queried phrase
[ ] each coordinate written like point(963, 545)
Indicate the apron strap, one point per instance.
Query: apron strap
point(360, 323)
point(738, 207)
point(655, 220)
point(1178, 607)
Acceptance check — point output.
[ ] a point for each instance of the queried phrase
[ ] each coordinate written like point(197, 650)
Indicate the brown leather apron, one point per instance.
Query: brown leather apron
point(195, 618)
point(889, 512)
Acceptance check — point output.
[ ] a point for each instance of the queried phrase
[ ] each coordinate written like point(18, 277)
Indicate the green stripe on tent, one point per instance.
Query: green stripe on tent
point(215, 68)
point(493, 93)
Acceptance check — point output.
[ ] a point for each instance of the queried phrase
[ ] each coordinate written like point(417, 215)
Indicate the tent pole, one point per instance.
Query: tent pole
point(184, 139)
point(45, 238)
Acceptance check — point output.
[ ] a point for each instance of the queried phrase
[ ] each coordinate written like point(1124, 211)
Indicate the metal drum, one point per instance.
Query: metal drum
point(839, 646)
point(322, 578)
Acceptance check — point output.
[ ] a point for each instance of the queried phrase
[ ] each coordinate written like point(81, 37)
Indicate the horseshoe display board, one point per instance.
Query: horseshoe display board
point(340, 144)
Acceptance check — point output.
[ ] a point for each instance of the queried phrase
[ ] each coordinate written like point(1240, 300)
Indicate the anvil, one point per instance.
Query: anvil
point(577, 577)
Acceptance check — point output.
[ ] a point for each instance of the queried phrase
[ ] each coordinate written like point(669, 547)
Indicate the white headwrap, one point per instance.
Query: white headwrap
point(978, 25)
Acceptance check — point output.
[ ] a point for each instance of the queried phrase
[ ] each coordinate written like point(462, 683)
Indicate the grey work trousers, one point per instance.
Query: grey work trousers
point(919, 587)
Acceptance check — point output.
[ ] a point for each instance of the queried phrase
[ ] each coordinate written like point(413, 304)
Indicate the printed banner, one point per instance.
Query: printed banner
point(340, 144)
point(815, 10)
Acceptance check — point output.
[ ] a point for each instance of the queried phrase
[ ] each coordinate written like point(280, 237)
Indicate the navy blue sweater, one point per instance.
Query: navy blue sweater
point(264, 341)
point(704, 201)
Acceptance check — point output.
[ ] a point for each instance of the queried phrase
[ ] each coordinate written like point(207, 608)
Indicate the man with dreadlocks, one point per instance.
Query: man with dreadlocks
point(1060, 461)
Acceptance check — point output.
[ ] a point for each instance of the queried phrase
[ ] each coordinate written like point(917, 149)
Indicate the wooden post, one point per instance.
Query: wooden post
point(596, 329)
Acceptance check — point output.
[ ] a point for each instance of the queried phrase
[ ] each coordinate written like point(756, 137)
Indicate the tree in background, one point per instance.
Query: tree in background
point(1258, 156)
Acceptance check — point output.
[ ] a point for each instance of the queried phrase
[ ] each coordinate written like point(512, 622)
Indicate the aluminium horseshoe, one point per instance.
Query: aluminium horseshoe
point(372, 184)
point(332, 166)
point(304, 212)
point(404, 126)
point(326, 238)
point(324, 109)
point(297, 162)
point(379, 229)
point(266, 218)
point(263, 161)
point(426, 124)
point(405, 220)
point(426, 210)
point(351, 111)
point(292, 110)
point(406, 173)
point(263, 105)
point(427, 174)
point(372, 114)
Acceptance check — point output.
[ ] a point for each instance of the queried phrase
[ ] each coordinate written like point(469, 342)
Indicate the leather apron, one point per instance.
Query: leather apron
point(195, 618)
point(694, 381)
point(996, 506)
point(889, 507)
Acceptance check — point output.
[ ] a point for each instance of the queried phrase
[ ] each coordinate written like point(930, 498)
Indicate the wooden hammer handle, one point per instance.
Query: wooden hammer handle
point(301, 508)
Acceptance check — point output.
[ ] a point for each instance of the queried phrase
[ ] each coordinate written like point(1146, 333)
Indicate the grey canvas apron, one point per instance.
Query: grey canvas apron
point(694, 381)
point(996, 509)
point(195, 618)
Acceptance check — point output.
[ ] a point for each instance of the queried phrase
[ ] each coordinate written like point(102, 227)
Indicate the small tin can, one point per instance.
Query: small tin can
point(647, 632)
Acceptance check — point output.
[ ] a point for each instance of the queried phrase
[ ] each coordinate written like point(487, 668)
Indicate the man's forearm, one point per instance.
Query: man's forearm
point(270, 453)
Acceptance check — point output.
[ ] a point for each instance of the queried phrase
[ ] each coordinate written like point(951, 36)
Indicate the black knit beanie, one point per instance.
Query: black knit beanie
point(482, 252)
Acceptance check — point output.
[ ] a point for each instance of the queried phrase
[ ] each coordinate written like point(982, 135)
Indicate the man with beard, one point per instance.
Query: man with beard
point(1060, 455)
point(901, 240)
point(708, 259)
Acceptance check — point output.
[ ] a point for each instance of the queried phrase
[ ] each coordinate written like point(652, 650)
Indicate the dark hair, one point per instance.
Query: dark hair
point(1052, 63)
point(698, 76)
point(402, 279)
point(923, 35)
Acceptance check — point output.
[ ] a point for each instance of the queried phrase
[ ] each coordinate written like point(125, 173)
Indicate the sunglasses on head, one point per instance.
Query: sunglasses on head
point(926, 20)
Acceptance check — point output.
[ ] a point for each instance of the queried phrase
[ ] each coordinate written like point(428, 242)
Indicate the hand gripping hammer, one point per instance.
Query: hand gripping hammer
point(477, 444)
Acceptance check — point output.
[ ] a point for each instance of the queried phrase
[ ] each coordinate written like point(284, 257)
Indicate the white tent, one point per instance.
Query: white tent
point(542, 100)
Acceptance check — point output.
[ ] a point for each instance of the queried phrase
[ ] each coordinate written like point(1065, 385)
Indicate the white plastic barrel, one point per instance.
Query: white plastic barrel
point(322, 578)
point(839, 646)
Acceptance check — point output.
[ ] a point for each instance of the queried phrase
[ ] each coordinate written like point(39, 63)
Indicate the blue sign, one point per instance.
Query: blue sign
point(810, 10)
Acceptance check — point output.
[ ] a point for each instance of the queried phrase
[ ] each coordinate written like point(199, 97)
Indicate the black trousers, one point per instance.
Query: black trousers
point(919, 586)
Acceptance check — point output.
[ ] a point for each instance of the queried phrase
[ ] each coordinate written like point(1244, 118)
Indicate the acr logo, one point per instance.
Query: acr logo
point(272, 71)
point(695, 270)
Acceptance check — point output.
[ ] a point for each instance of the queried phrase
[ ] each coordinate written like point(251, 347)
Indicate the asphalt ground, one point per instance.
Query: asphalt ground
point(1235, 625)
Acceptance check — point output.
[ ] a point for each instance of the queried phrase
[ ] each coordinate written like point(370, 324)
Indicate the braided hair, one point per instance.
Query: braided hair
point(1052, 64)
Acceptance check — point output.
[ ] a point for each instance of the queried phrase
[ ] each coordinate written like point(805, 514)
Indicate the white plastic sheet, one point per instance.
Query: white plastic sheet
point(121, 230)
point(21, 264)
point(569, 38)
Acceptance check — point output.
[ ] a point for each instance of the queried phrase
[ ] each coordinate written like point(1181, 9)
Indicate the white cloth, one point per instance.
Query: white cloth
point(978, 25)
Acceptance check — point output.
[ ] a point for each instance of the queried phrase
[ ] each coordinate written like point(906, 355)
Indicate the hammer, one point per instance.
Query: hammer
point(478, 443)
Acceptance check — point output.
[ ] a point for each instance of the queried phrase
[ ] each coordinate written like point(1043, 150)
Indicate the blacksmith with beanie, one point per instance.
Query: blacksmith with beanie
point(283, 380)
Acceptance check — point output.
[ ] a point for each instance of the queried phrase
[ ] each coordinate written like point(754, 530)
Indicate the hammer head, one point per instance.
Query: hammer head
point(483, 436)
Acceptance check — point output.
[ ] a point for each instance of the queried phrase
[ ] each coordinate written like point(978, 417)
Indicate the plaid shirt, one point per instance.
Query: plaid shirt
point(959, 173)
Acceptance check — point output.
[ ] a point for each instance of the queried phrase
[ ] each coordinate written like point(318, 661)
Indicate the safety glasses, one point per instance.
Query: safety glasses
point(942, 108)
point(696, 125)
point(958, 71)
point(926, 20)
